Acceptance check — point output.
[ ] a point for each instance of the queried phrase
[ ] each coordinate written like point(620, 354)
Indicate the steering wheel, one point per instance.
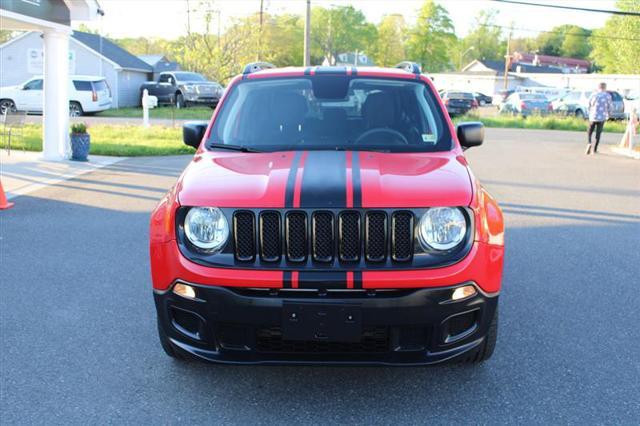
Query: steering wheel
point(399, 136)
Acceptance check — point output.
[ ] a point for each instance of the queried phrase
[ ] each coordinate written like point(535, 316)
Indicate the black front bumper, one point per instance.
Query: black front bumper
point(246, 326)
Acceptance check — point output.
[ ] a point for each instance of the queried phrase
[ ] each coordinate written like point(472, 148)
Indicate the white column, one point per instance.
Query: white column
point(55, 132)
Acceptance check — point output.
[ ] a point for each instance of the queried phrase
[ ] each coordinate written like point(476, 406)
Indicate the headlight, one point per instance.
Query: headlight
point(442, 228)
point(189, 88)
point(206, 228)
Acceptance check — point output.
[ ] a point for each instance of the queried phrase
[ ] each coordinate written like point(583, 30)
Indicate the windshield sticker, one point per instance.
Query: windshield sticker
point(429, 138)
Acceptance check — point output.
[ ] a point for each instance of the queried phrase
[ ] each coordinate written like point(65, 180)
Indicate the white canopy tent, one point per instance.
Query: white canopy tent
point(53, 18)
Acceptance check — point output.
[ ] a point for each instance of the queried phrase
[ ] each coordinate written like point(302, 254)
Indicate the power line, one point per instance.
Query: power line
point(583, 9)
point(562, 32)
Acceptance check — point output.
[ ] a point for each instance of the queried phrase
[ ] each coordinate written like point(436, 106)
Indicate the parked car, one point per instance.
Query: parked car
point(526, 104)
point(482, 99)
point(458, 103)
point(87, 95)
point(306, 232)
point(183, 89)
point(576, 103)
point(501, 96)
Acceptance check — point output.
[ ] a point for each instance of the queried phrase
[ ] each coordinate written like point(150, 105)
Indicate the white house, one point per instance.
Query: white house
point(89, 54)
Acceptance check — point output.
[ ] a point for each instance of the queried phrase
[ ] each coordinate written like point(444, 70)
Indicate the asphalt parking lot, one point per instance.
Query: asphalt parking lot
point(78, 332)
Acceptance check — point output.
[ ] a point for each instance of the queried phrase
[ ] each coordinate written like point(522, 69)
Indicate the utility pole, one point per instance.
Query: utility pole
point(260, 33)
point(507, 60)
point(307, 36)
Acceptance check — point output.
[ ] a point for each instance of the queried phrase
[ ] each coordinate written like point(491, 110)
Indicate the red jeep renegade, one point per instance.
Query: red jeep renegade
point(328, 216)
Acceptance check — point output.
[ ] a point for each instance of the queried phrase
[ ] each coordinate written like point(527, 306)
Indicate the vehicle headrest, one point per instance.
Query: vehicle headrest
point(290, 108)
point(379, 110)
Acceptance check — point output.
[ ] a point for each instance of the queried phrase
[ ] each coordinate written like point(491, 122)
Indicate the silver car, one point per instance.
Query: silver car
point(577, 103)
point(526, 104)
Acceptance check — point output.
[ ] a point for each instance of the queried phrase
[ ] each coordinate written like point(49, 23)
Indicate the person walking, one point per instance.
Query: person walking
point(600, 107)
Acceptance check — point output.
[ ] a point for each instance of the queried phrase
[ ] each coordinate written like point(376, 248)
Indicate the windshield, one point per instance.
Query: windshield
point(189, 76)
point(331, 113)
point(460, 95)
point(532, 97)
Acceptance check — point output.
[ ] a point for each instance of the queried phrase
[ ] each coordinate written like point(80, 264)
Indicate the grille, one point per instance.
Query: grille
point(349, 236)
point(376, 241)
point(373, 339)
point(296, 236)
point(271, 246)
point(322, 236)
point(402, 236)
point(243, 224)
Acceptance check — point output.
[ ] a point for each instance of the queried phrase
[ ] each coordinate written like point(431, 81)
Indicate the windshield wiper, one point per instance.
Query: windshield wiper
point(233, 147)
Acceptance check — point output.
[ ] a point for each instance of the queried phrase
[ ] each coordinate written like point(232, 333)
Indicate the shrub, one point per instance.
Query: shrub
point(78, 128)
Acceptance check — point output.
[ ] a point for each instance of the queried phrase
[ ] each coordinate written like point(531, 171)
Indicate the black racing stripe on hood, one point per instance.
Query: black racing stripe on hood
point(322, 280)
point(291, 180)
point(355, 178)
point(324, 180)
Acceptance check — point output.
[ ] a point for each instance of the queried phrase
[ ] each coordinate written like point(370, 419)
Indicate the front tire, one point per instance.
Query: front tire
point(166, 344)
point(487, 347)
point(75, 109)
point(7, 105)
point(180, 101)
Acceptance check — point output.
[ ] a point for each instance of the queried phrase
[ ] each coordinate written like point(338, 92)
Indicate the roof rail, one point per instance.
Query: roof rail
point(411, 67)
point(257, 66)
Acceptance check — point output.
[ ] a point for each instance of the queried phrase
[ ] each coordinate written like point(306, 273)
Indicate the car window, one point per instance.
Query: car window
point(532, 97)
point(164, 78)
point(572, 97)
point(82, 86)
point(34, 85)
point(189, 76)
point(332, 112)
point(615, 96)
point(100, 85)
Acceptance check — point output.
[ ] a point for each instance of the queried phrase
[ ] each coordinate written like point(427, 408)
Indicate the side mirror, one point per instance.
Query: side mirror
point(470, 134)
point(193, 132)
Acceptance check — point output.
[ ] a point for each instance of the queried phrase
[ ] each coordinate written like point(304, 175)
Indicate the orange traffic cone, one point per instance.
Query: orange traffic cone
point(4, 204)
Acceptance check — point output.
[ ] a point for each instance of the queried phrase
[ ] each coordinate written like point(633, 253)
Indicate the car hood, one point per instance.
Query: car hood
point(325, 179)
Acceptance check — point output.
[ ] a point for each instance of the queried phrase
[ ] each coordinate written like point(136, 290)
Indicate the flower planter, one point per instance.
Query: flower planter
point(80, 145)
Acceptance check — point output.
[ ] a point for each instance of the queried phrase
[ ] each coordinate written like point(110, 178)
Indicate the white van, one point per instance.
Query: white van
point(87, 94)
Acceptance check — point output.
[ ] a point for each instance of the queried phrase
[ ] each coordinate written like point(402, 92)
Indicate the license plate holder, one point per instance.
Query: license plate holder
point(322, 322)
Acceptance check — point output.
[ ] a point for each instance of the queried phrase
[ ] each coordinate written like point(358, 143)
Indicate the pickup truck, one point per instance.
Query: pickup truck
point(183, 89)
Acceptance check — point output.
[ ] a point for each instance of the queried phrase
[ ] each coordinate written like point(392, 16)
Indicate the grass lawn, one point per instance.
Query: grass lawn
point(134, 141)
point(192, 113)
point(537, 122)
point(126, 141)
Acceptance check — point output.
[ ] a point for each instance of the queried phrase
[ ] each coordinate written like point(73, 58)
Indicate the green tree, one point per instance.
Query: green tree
point(565, 40)
point(485, 38)
point(619, 54)
point(389, 47)
point(338, 30)
point(576, 43)
point(431, 39)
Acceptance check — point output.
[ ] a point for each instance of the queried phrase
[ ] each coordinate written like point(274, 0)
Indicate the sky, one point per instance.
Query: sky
point(168, 18)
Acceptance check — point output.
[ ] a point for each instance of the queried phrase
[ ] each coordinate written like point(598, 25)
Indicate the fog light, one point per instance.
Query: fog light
point(184, 291)
point(463, 292)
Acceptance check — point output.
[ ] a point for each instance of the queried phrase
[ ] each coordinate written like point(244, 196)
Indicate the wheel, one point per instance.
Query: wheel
point(180, 101)
point(485, 350)
point(75, 109)
point(7, 105)
point(168, 347)
point(578, 113)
